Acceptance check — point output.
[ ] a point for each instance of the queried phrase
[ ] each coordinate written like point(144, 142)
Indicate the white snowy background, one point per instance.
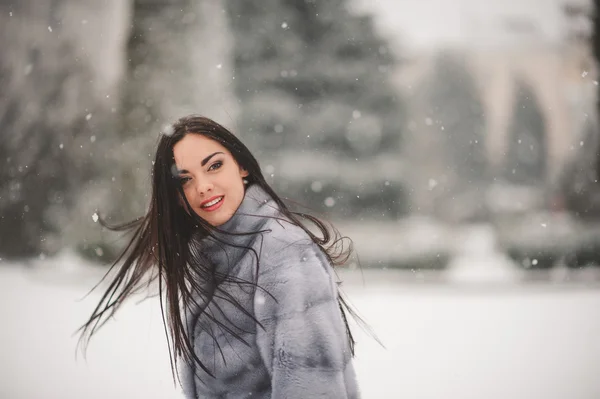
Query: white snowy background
point(452, 336)
point(482, 328)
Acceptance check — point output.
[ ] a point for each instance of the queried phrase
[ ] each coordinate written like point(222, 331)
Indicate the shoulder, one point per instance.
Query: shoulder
point(294, 276)
point(289, 252)
point(280, 234)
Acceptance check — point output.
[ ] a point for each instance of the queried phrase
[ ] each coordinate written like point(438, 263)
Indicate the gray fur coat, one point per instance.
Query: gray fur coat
point(302, 349)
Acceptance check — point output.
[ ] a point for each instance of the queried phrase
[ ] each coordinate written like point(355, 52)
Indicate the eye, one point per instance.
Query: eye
point(183, 180)
point(215, 165)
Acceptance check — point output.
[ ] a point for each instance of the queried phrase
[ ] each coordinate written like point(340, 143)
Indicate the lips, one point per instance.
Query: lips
point(212, 203)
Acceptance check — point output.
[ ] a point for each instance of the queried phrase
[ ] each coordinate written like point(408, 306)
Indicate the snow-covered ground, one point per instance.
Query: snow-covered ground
point(442, 340)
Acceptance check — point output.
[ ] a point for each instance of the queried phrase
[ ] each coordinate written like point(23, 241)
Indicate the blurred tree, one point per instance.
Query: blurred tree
point(172, 69)
point(578, 187)
point(526, 156)
point(178, 56)
point(450, 180)
point(63, 154)
point(595, 40)
point(314, 84)
point(45, 126)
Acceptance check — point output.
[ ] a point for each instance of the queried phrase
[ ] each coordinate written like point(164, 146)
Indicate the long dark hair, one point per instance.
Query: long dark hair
point(160, 247)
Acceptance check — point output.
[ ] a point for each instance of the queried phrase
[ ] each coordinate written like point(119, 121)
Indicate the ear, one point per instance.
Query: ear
point(243, 172)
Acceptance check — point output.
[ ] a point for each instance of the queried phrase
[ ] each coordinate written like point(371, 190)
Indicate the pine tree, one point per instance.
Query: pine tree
point(578, 182)
point(314, 86)
point(45, 127)
point(177, 64)
point(451, 131)
point(595, 41)
point(457, 110)
point(526, 155)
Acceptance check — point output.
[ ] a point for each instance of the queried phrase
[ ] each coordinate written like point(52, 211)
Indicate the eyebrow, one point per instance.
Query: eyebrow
point(204, 161)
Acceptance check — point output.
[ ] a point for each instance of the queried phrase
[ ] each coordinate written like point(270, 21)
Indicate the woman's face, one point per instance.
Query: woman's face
point(210, 177)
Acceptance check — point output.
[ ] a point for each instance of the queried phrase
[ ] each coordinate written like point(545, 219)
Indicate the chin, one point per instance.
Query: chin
point(218, 219)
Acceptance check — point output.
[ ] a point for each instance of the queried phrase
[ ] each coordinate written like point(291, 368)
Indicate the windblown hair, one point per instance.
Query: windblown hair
point(164, 246)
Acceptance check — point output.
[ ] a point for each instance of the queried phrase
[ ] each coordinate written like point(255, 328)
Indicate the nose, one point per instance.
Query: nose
point(203, 187)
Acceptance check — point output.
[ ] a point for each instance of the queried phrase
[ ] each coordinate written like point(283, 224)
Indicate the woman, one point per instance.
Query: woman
point(253, 308)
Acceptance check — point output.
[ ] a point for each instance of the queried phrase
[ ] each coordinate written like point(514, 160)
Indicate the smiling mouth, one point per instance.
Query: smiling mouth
point(212, 203)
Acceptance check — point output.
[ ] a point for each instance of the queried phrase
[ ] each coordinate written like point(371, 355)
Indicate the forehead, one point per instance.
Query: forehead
point(195, 146)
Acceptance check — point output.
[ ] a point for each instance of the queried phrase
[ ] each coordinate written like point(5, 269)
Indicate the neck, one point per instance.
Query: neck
point(232, 239)
point(257, 204)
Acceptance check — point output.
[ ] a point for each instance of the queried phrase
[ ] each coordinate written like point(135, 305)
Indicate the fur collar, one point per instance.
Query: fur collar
point(230, 241)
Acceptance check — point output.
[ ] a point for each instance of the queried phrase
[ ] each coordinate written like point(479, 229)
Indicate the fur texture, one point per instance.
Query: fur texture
point(300, 348)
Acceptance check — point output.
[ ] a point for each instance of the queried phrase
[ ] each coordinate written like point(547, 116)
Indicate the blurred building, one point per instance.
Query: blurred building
point(540, 42)
point(503, 48)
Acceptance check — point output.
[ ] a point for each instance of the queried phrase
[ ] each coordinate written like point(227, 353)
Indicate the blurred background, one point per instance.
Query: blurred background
point(456, 142)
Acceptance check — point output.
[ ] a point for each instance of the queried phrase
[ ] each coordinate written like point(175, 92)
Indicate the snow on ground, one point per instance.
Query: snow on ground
point(441, 340)
point(478, 259)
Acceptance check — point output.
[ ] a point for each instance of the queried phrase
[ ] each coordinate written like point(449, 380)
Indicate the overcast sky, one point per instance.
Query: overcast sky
point(430, 23)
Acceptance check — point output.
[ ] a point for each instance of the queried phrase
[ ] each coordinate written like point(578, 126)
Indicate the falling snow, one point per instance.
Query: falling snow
point(168, 130)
